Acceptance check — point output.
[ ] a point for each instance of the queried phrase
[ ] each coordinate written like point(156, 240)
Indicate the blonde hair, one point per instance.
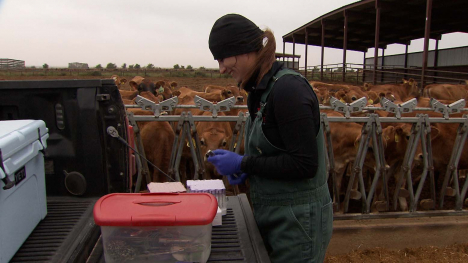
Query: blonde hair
point(265, 58)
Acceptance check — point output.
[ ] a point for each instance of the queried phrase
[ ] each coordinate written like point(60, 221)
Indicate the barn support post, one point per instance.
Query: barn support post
point(323, 50)
point(284, 49)
point(376, 46)
point(345, 43)
point(426, 43)
point(382, 66)
point(364, 67)
point(306, 45)
point(436, 58)
point(294, 52)
point(406, 59)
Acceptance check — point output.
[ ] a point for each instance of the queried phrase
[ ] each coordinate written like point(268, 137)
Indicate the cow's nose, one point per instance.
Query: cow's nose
point(240, 99)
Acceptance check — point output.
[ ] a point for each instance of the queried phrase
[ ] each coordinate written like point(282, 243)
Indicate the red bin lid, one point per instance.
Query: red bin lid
point(155, 209)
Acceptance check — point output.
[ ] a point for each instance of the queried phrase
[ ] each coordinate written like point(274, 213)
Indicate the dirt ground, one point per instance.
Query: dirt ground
point(196, 83)
point(453, 253)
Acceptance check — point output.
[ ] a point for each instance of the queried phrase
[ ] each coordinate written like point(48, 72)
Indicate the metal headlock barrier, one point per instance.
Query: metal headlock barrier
point(371, 136)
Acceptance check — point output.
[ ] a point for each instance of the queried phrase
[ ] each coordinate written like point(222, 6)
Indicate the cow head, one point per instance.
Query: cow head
point(213, 135)
point(372, 98)
point(418, 156)
point(412, 86)
point(324, 94)
point(395, 141)
point(341, 95)
point(173, 85)
point(226, 93)
point(347, 95)
point(366, 86)
point(239, 94)
point(142, 84)
point(242, 98)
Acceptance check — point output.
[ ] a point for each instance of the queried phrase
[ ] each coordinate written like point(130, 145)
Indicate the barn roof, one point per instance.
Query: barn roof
point(400, 22)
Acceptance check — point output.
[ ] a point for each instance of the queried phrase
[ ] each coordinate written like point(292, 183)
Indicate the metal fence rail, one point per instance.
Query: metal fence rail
point(360, 189)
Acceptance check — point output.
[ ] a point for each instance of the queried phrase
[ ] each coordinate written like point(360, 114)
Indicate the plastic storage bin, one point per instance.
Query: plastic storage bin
point(156, 227)
point(22, 193)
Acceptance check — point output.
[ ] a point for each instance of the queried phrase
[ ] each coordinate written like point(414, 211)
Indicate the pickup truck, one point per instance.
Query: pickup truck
point(83, 163)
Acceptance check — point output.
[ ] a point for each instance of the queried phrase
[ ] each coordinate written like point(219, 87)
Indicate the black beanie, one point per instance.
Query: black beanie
point(234, 35)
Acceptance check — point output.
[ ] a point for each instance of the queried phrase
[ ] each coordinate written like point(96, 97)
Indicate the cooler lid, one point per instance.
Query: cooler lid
point(17, 134)
point(155, 209)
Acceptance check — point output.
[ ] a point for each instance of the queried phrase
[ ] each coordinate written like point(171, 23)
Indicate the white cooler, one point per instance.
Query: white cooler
point(22, 187)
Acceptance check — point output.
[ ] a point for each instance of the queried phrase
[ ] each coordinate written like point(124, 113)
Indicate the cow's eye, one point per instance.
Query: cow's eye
point(202, 141)
point(224, 143)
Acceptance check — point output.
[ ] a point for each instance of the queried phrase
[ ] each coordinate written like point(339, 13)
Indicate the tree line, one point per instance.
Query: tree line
point(132, 66)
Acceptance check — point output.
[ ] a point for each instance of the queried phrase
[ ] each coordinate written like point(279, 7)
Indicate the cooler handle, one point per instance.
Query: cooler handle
point(20, 158)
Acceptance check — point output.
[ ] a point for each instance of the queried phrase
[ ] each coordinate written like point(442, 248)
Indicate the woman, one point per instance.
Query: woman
point(284, 149)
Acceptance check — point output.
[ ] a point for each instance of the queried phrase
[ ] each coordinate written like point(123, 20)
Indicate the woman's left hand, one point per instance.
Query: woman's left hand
point(226, 162)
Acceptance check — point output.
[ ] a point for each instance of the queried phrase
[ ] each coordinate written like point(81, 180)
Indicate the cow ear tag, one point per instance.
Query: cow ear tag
point(397, 138)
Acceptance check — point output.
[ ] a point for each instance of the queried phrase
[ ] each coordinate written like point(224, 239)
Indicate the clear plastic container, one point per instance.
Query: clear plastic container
point(157, 244)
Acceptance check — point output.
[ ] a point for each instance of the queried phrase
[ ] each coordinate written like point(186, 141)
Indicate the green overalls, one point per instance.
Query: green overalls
point(294, 216)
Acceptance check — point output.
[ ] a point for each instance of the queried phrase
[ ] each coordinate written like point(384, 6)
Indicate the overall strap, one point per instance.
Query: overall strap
point(273, 80)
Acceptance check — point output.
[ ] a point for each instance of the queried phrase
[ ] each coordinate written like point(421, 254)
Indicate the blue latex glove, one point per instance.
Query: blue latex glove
point(226, 162)
point(237, 180)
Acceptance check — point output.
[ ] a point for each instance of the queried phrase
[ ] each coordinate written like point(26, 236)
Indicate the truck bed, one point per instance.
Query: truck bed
point(236, 240)
point(68, 234)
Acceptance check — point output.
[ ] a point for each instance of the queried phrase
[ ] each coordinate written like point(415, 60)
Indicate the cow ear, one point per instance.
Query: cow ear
point(434, 132)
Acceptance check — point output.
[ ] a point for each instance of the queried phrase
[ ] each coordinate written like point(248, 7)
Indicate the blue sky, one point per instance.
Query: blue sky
point(162, 32)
